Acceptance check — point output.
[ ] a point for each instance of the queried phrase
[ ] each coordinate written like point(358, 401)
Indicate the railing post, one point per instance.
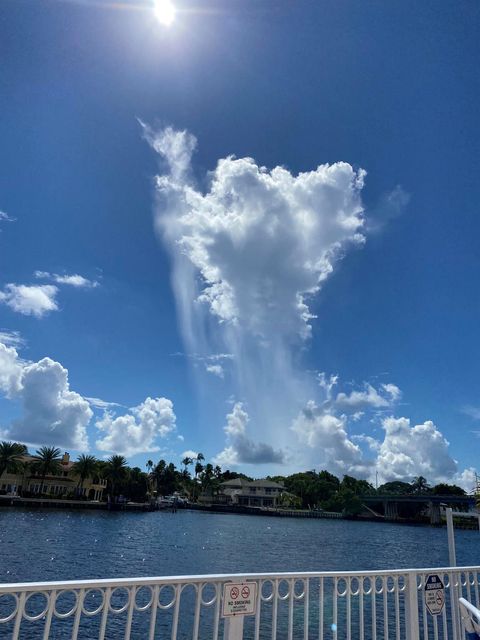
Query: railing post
point(233, 628)
point(411, 608)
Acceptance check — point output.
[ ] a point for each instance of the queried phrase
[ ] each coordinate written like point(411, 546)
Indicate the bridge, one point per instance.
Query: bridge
point(405, 507)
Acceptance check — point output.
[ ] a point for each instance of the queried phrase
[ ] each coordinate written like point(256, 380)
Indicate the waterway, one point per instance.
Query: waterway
point(62, 545)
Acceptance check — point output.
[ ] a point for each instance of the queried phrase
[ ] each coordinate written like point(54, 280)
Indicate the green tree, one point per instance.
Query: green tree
point(136, 484)
point(46, 461)
point(359, 487)
point(397, 487)
point(420, 485)
point(11, 454)
point(186, 462)
point(351, 503)
point(85, 467)
point(165, 477)
point(209, 480)
point(443, 489)
point(115, 472)
point(158, 475)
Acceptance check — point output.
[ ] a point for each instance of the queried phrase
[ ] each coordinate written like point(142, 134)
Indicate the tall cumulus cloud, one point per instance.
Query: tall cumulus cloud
point(249, 253)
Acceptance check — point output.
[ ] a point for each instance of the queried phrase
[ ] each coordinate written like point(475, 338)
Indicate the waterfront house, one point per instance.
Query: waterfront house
point(251, 493)
point(62, 484)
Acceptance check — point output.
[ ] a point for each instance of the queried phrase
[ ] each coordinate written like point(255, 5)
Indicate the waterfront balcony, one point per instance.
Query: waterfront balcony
point(366, 605)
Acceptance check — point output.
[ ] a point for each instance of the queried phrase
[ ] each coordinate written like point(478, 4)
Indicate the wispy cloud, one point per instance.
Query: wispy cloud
point(4, 217)
point(98, 403)
point(11, 338)
point(74, 279)
point(211, 362)
point(391, 206)
point(471, 411)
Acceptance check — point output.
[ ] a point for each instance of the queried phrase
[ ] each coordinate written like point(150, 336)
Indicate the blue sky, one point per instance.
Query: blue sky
point(89, 89)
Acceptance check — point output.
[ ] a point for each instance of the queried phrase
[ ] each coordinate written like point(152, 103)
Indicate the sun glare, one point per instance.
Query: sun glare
point(164, 11)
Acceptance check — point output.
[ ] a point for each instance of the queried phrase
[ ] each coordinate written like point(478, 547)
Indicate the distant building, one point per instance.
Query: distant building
point(64, 483)
point(255, 493)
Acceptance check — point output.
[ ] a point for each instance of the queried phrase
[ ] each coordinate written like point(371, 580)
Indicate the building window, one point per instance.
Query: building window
point(253, 489)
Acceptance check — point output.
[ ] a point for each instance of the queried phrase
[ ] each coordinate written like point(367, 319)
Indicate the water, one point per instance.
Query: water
point(60, 545)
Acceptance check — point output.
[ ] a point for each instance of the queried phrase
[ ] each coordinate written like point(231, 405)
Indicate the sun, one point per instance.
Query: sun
point(164, 11)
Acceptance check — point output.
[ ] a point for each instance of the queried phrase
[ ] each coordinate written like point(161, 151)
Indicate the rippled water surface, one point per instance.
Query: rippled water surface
point(61, 545)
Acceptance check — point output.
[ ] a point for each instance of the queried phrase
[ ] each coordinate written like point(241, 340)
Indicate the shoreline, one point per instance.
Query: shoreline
point(50, 503)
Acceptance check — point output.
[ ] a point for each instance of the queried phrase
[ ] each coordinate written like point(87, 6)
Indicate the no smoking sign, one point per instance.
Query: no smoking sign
point(239, 599)
point(434, 594)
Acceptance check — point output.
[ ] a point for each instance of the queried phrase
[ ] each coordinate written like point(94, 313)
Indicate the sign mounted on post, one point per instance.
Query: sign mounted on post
point(239, 599)
point(434, 594)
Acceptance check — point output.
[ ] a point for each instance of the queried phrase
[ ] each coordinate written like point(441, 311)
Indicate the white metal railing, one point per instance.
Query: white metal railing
point(470, 619)
point(360, 605)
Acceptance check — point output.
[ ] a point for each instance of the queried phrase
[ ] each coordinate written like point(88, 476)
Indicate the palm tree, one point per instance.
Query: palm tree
point(207, 478)
point(46, 461)
point(85, 467)
point(420, 485)
point(11, 454)
point(186, 461)
point(158, 474)
point(115, 470)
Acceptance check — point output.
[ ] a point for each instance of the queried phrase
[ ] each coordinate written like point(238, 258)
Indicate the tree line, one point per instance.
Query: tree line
point(323, 490)
point(161, 478)
point(309, 489)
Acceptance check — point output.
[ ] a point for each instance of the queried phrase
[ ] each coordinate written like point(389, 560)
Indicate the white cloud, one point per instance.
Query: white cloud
point(98, 403)
point(10, 371)
point(190, 453)
point(467, 479)
point(369, 397)
point(176, 147)
point(53, 414)
point(211, 362)
point(240, 448)
point(250, 252)
point(391, 205)
point(263, 241)
point(421, 450)
point(393, 391)
point(215, 369)
point(4, 217)
point(36, 300)
point(137, 431)
point(471, 411)
point(320, 429)
point(11, 338)
point(372, 443)
point(403, 453)
point(74, 279)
